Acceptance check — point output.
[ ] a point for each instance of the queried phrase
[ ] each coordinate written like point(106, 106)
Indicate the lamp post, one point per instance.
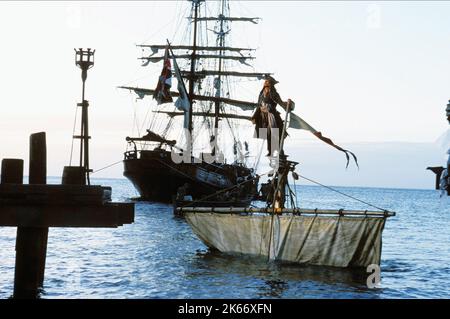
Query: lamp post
point(84, 59)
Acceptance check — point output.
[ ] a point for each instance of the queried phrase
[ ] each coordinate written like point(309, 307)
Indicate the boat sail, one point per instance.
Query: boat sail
point(215, 112)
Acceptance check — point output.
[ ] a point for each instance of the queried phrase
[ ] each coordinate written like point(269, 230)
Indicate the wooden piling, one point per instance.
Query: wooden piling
point(38, 175)
point(28, 262)
point(12, 171)
point(31, 242)
point(36, 207)
point(38, 159)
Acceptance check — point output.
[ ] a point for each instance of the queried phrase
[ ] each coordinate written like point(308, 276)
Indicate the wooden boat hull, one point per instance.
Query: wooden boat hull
point(339, 241)
point(156, 177)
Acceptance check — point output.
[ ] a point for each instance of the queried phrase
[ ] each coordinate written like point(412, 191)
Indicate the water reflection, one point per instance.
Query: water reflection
point(276, 279)
point(275, 288)
point(160, 257)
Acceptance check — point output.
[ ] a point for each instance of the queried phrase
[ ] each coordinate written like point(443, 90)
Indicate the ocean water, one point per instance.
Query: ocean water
point(159, 257)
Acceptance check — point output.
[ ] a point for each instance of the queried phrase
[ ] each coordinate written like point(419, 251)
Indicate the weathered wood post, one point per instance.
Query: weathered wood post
point(25, 281)
point(38, 175)
point(31, 242)
point(28, 262)
point(35, 207)
point(12, 171)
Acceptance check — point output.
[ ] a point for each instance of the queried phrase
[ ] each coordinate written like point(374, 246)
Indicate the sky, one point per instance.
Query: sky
point(373, 76)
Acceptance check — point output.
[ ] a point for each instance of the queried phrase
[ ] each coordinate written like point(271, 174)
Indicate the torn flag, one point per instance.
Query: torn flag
point(298, 123)
point(182, 103)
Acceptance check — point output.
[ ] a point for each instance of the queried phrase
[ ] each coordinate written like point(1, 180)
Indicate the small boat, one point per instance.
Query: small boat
point(336, 238)
point(283, 232)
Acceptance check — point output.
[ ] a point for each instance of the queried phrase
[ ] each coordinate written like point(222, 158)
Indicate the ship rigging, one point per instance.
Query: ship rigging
point(212, 118)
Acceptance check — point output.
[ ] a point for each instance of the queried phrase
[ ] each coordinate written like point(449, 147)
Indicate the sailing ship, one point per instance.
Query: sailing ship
point(211, 112)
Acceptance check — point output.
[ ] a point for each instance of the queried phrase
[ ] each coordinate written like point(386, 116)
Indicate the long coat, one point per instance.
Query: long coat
point(272, 100)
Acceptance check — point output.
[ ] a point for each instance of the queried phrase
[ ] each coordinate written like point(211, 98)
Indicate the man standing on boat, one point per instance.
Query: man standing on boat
point(266, 115)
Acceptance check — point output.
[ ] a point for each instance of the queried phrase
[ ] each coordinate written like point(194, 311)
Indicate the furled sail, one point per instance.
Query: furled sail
point(204, 73)
point(156, 47)
point(151, 137)
point(221, 17)
point(206, 114)
point(241, 59)
point(243, 105)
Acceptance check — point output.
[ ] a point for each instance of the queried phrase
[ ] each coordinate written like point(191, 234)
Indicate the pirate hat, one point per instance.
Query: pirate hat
point(270, 79)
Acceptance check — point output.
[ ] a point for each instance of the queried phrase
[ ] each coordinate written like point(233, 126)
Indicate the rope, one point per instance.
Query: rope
point(295, 190)
point(342, 193)
point(135, 121)
point(258, 159)
point(291, 196)
point(144, 121)
point(108, 166)
point(168, 127)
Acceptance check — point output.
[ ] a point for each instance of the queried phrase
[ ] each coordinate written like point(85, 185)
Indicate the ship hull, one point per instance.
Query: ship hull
point(156, 177)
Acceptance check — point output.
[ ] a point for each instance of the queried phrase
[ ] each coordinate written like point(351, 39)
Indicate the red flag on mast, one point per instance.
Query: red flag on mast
point(162, 91)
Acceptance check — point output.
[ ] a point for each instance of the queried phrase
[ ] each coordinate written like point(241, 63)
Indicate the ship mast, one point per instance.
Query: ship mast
point(218, 86)
point(197, 52)
point(196, 5)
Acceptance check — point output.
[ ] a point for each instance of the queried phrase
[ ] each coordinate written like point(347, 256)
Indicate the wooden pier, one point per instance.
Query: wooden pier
point(35, 207)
